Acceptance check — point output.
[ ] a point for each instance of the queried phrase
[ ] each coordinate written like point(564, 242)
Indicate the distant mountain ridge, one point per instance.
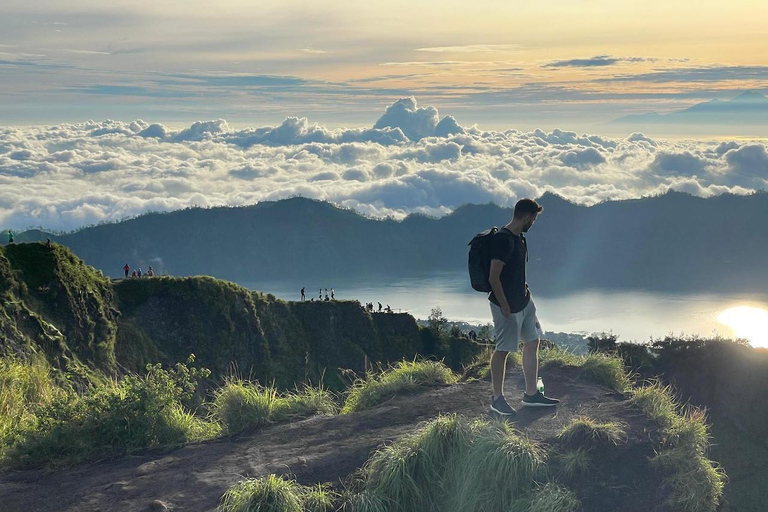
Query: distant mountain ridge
point(749, 108)
point(669, 242)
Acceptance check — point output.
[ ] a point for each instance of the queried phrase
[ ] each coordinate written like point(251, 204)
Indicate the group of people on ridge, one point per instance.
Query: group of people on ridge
point(331, 296)
point(138, 272)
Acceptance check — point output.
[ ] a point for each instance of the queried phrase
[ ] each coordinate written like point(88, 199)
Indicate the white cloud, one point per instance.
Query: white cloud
point(70, 175)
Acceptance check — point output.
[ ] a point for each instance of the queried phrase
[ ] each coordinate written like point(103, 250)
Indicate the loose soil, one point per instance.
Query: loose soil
point(330, 448)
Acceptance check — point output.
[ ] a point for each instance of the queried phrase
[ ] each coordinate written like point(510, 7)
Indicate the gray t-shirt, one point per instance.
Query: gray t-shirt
point(513, 251)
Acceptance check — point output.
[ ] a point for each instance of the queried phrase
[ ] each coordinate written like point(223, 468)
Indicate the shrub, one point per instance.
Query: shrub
point(110, 420)
point(403, 377)
point(574, 463)
point(549, 498)
point(598, 367)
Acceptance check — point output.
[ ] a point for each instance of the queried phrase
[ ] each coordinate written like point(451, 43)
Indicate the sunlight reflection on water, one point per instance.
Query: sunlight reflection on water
point(747, 322)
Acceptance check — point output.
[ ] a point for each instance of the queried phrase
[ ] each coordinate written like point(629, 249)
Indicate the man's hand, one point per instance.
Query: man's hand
point(506, 311)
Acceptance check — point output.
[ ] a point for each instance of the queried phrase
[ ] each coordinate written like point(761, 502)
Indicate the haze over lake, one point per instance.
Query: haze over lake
point(634, 315)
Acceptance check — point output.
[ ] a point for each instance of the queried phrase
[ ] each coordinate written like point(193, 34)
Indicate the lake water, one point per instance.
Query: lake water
point(633, 315)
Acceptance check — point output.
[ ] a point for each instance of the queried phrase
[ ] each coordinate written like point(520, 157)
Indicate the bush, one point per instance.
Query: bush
point(403, 377)
point(110, 420)
point(598, 367)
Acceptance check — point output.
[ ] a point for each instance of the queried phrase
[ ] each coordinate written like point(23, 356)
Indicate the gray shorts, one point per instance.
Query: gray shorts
point(521, 326)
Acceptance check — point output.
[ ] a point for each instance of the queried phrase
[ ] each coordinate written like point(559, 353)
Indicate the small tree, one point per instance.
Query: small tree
point(602, 342)
point(437, 321)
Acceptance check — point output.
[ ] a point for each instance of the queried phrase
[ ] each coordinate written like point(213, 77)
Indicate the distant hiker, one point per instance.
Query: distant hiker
point(333, 296)
point(303, 297)
point(379, 307)
point(10, 236)
point(326, 294)
point(472, 335)
point(49, 244)
point(139, 271)
point(513, 310)
point(133, 274)
point(388, 309)
point(320, 295)
point(127, 269)
point(150, 272)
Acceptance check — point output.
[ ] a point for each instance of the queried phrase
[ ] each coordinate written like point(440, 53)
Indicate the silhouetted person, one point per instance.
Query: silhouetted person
point(513, 310)
point(326, 294)
point(133, 274)
point(388, 309)
point(10, 236)
point(49, 244)
point(150, 272)
point(379, 307)
point(139, 271)
point(320, 295)
point(303, 297)
point(127, 269)
point(333, 296)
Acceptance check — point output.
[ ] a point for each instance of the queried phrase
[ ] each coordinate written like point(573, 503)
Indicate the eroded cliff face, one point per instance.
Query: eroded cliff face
point(53, 303)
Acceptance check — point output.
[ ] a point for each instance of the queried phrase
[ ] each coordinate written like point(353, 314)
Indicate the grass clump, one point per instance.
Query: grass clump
point(549, 498)
point(584, 431)
point(602, 368)
point(277, 494)
point(451, 465)
point(403, 377)
point(692, 481)
point(241, 404)
point(574, 463)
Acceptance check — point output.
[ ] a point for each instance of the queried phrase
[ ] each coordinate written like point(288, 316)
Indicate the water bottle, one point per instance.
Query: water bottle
point(540, 385)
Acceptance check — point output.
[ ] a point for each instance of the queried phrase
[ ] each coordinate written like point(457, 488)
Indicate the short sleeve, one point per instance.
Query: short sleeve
point(500, 247)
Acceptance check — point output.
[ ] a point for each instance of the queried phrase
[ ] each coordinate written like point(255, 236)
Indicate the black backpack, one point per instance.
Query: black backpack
point(480, 259)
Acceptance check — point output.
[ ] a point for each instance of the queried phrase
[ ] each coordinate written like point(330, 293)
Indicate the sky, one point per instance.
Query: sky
point(573, 65)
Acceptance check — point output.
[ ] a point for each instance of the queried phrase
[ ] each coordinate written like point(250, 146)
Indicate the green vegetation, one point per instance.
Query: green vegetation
point(240, 405)
point(574, 463)
point(600, 368)
point(403, 377)
point(452, 464)
point(586, 432)
point(693, 482)
point(46, 424)
point(277, 494)
point(549, 498)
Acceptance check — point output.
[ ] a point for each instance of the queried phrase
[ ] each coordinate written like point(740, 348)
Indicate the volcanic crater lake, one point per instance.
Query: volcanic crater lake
point(633, 315)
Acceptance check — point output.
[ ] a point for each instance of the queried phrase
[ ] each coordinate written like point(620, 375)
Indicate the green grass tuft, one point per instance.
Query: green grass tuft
point(549, 498)
point(267, 494)
point(692, 481)
point(604, 369)
point(584, 431)
point(403, 377)
point(452, 465)
point(241, 404)
point(574, 463)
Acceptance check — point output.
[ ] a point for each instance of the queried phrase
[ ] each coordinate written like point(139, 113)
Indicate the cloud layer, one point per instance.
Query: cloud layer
point(67, 176)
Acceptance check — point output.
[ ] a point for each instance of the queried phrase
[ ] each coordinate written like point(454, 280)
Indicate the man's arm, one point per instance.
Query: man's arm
point(494, 278)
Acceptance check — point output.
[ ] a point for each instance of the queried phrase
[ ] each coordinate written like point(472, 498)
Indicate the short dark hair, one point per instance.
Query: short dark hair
point(527, 206)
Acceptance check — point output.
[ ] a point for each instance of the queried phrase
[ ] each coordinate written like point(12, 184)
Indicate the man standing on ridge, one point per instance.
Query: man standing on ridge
point(513, 310)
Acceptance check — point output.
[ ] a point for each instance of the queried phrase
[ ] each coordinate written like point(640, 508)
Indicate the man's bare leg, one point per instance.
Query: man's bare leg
point(531, 366)
point(498, 368)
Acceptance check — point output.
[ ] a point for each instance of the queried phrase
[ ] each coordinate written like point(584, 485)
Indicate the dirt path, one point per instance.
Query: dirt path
point(318, 449)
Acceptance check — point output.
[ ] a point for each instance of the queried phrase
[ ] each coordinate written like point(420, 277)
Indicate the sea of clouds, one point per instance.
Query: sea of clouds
point(71, 175)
